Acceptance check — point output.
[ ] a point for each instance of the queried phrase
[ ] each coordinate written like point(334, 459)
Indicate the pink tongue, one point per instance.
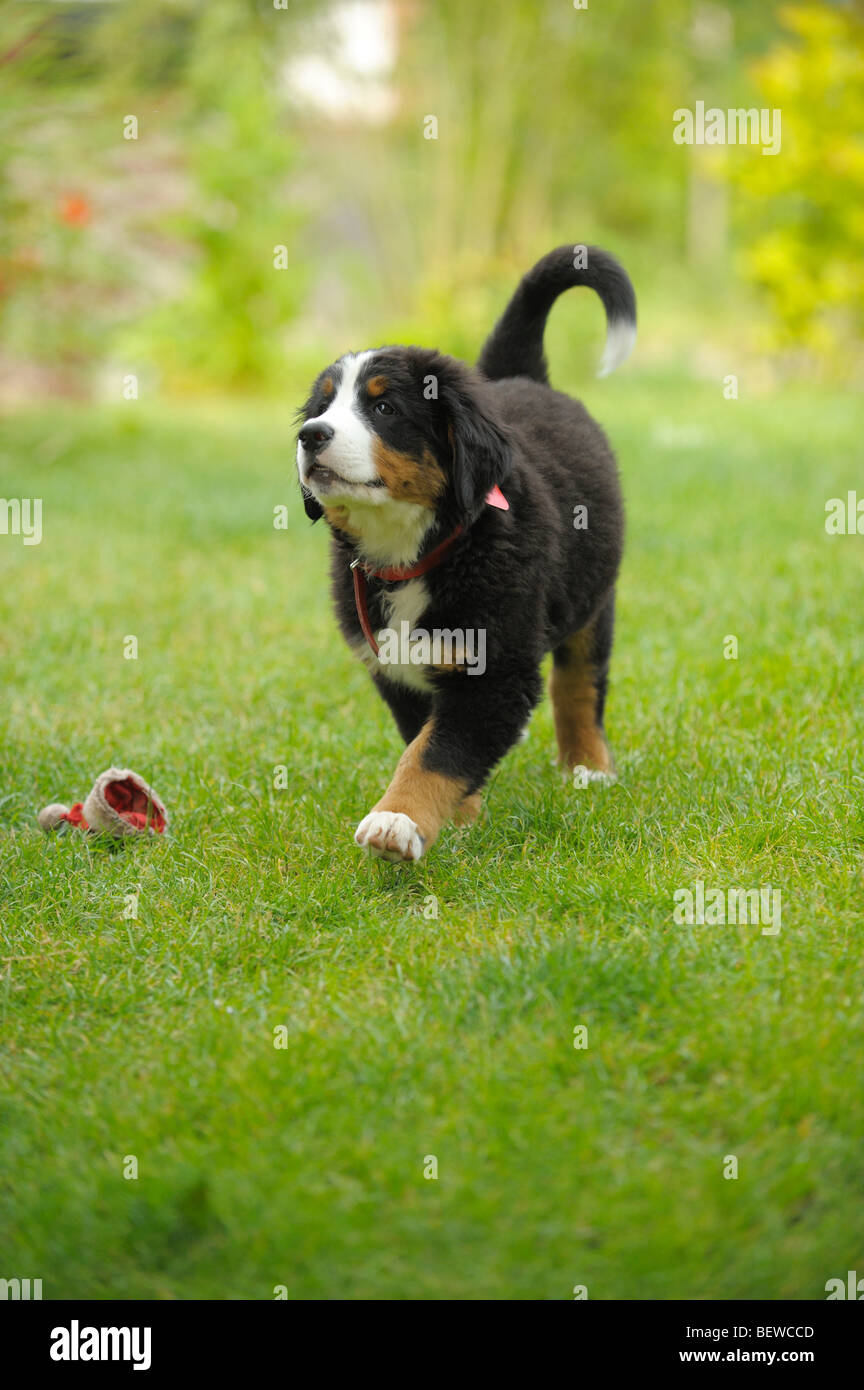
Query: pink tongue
point(496, 498)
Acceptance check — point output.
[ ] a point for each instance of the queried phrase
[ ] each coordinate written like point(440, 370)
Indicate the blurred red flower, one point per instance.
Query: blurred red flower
point(75, 210)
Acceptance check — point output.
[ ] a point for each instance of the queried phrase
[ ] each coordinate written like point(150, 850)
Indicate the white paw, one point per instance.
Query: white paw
point(390, 835)
point(582, 776)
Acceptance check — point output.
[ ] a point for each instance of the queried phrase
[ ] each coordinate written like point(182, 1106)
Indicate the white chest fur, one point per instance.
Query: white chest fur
point(403, 605)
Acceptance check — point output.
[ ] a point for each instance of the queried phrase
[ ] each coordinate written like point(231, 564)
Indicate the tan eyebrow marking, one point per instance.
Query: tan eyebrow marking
point(377, 385)
point(327, 386)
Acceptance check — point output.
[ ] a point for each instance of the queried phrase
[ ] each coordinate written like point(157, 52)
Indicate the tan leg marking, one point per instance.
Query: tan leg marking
point(581, 742)
point(468, 810)
point(428, 798)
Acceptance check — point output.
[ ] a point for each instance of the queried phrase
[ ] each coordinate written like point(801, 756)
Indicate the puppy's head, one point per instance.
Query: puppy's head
point(401, 439)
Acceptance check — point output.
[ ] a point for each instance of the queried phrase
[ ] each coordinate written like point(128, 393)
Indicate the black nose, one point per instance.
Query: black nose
point(315, 435)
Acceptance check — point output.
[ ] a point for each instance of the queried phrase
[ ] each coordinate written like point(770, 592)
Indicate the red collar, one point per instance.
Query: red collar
point(393, 573)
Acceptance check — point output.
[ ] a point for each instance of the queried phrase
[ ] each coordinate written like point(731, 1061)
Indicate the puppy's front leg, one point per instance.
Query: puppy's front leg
point(418, 801)
point(442, 769)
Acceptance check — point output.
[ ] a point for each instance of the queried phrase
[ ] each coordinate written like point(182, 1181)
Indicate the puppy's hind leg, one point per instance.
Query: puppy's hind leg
point(468, 810)
point(577, 687)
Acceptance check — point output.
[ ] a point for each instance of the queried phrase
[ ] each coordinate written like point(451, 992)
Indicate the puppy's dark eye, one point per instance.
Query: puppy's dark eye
point(384, 408)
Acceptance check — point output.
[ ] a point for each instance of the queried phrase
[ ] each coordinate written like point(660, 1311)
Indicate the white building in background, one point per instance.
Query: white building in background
point(346, 62)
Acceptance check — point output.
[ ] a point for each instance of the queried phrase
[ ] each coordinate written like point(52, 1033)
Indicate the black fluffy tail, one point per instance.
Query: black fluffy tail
point(515, 345)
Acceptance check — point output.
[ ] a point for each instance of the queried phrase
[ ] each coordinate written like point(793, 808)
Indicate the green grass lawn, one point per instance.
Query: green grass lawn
point(409, 1035)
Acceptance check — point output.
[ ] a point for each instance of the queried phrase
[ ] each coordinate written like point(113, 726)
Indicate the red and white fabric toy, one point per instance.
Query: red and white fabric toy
point(120, 803)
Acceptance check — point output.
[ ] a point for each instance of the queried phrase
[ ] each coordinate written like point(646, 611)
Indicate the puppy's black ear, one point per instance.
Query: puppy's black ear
point(311, 505)
point(481, 450)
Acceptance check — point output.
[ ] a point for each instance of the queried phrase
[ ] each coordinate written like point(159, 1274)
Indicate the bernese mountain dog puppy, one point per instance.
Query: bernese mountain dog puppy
point(476, 524)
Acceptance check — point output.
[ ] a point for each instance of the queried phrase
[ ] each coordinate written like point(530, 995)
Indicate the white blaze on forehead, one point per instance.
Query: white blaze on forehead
point(350, 450)
point(346, 392)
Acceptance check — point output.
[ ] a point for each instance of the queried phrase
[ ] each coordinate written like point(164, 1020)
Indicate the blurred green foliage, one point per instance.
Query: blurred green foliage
point(159, 254)
point(160, 246)
point(239, 157)
point(805, 210)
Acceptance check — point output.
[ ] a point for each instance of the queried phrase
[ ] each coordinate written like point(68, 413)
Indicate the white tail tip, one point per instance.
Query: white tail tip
point(620, 338)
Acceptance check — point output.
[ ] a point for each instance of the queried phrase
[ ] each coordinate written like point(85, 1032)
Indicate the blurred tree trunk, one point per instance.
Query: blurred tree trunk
point(707, 193)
